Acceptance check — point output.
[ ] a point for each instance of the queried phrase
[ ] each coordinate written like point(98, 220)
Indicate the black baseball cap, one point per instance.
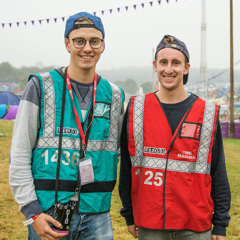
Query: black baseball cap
point(169, 41)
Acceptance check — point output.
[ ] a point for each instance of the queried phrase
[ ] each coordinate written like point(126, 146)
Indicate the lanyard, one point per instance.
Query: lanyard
point(79, 125)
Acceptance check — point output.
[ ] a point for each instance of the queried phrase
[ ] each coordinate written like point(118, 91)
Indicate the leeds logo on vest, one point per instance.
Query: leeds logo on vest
point(154, 150)
point(67, 130)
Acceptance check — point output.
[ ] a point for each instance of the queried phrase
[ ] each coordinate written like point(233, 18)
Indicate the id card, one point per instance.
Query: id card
point(86, 171)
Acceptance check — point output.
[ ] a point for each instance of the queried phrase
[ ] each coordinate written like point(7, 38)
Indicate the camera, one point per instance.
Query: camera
point(63, 214)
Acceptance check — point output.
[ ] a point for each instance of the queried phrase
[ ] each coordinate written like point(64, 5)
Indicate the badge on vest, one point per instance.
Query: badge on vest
point(190, 130)
point(161, 151)
point(86, 171)
point(67, 130)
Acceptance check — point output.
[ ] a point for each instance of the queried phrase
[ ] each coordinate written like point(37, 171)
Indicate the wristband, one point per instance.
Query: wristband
point(30, 220)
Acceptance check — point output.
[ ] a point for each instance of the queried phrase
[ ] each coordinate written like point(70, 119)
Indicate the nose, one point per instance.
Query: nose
point(169, 69)
point(87, 47)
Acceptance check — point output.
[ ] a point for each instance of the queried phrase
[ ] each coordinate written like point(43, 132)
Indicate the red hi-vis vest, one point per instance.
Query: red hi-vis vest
point(171, 182)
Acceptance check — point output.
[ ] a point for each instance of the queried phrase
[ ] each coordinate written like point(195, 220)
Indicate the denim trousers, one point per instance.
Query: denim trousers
point(151, 234)
point(84, 226)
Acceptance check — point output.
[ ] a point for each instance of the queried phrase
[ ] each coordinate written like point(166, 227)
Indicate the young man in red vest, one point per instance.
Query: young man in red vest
point(173, 179)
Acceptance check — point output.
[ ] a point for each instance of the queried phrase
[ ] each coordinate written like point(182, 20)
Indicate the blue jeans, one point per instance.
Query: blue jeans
point(84, 226)
point(151, 234)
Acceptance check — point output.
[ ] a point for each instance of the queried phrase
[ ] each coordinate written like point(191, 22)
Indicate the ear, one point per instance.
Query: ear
point(155, 65)
point(103, 46)
point(187, 67)
point(66, 41)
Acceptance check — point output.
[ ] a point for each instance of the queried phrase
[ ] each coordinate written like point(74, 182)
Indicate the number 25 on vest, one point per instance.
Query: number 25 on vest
point(151, 178)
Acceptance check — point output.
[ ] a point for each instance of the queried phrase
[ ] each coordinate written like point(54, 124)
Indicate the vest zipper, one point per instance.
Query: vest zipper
point(171, 144)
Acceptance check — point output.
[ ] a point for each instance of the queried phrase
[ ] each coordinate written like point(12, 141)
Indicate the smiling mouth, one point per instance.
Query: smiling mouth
point(169, 78)
point(86, 57)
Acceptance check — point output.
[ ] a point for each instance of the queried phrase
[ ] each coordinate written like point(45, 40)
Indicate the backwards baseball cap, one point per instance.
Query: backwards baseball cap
point(169, 41)
point(70, 24)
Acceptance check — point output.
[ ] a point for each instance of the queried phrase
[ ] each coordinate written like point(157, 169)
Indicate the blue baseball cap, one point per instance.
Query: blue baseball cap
point(169, 41)
point(97, 23)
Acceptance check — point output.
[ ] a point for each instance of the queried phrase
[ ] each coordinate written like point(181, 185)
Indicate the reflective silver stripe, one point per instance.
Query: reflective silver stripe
point(67, 143)
point(115, 112)
point(50, 141)
point(49, 105)
point(173, 165)
point(206, 134)
point(101, 145)
point(138, 124)
point(70, 143)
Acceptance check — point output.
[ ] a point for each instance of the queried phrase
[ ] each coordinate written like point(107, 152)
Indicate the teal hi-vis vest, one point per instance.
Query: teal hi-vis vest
point(102, 145)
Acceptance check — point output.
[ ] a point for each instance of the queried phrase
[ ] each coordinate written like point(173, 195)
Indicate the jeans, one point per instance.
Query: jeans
point(84, 226)
point(151, 234)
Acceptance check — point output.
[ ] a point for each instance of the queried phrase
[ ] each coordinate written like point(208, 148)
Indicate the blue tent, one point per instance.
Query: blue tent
point(3, 110)
point(9, 98)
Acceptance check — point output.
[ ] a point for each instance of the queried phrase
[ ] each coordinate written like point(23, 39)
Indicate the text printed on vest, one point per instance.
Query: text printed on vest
point(74, 159)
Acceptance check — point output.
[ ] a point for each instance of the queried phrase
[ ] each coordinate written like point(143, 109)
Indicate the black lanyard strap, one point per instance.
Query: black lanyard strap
point(60, 137)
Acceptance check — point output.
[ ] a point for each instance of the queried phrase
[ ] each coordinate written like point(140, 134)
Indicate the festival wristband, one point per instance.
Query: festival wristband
point(30, 220)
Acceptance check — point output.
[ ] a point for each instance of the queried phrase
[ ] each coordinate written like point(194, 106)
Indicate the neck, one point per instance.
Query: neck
point(176, 96)
point(79, 75)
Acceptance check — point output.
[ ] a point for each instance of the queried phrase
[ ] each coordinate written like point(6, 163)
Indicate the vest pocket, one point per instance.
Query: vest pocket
point(190, 130)
point(102, 110)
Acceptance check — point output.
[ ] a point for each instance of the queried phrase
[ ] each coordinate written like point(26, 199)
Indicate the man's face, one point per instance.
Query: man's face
point(85, 58)
point(170, 67)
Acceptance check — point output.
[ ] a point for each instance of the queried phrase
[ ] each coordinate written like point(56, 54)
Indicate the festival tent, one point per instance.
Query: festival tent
point(12, 112)
point(9, 98)
point(18, 93)
point(3, 110)
point(237, 105)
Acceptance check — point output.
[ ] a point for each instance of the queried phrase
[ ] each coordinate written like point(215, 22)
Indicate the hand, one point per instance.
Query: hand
point(216, 237)
point(133, 230)
point(43, 230)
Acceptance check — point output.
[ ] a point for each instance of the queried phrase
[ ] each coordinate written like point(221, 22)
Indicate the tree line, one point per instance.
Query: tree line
point(10, 74)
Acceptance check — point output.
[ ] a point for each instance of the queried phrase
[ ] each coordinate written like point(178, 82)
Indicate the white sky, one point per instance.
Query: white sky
point(131, 35)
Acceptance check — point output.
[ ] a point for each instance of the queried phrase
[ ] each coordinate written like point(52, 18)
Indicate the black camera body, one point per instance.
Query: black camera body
point(63, 215)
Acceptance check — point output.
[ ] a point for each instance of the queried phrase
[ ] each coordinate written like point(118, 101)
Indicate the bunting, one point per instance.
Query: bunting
point(215, 76)
point(56, 19)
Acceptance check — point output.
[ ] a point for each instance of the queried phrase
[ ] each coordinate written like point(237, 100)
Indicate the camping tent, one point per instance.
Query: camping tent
point(3, 110)
point(12, 112)
point(18, 93)
point(9, 98)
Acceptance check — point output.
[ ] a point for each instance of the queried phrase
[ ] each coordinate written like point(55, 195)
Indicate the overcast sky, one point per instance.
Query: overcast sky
point(131, 35)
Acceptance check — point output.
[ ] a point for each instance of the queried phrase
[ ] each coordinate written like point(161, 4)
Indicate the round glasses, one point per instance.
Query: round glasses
point(81, 42)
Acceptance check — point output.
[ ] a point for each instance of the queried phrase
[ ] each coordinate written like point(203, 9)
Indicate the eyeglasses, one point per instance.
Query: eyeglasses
point(81, 42)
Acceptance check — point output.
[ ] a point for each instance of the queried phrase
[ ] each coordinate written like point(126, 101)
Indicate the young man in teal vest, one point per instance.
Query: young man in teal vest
point(173, 180)
point(74, 112)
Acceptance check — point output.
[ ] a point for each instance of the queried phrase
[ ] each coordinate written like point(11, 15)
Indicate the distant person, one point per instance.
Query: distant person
point(65, 140)
point(173, 179)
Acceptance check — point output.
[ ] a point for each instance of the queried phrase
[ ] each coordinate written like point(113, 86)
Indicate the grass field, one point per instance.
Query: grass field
point(11, 226)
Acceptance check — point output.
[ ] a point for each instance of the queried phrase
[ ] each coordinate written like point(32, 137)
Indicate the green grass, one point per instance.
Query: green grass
point(11, 219)
point(232, 153)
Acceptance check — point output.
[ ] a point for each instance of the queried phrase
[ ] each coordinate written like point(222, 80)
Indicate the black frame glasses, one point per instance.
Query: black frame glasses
point(80, 43)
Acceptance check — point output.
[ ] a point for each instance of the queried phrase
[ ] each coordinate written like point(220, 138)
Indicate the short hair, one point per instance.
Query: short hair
point(84, 19)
